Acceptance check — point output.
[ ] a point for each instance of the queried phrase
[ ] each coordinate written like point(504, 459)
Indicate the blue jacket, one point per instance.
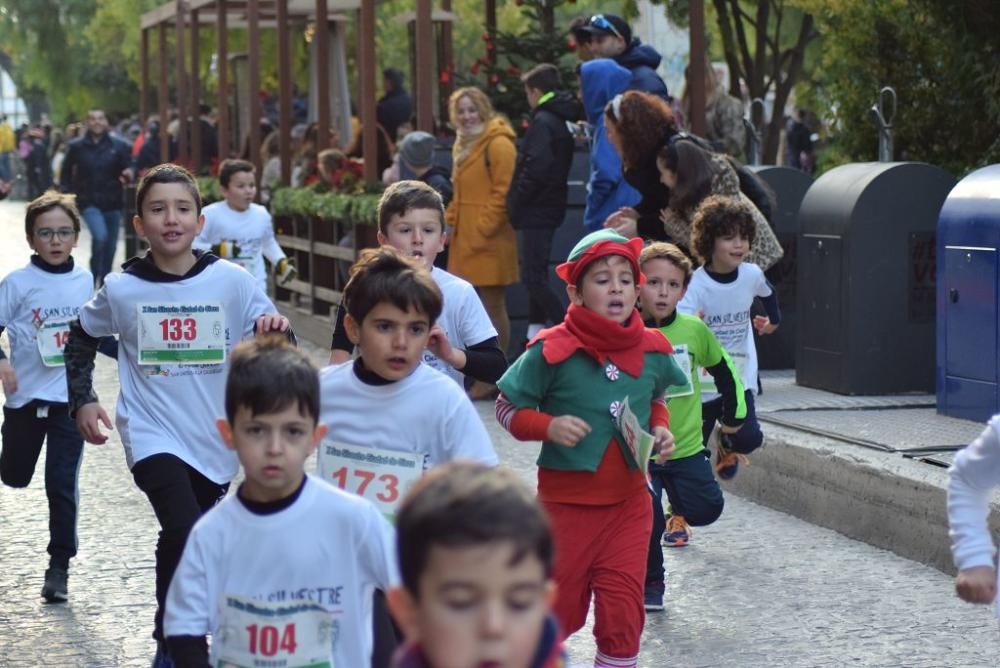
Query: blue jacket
point(642, 60)
point(607, 190)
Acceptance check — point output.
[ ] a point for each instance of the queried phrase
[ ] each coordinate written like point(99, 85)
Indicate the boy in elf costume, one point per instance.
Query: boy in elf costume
point(568, 390)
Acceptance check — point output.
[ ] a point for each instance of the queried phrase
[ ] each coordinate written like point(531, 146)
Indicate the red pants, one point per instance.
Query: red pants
point(601, 550)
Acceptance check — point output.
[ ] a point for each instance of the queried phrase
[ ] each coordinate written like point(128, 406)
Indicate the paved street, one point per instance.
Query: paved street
point(759, 588)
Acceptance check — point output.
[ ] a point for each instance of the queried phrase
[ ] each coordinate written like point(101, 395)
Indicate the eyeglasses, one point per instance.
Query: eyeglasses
point(47, 234)
point(598, 21)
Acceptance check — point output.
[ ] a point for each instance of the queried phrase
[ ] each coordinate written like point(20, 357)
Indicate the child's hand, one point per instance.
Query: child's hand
point(441, 347)
point(977, 584)
point(272, 323)
point(663, 444)
point(567, 430)
point(89, 418)
point(9, 377)
point(763, 324)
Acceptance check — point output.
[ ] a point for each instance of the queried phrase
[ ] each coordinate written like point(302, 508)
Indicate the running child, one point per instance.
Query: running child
point(475, 551)
point(282, 572)
point(177, 313)
point(721, 292)
point(568, 390)
point(389, 416)
point(463, 341)
point(692, 490)
point(37, 303)
point(241, 231)
point(972, 479)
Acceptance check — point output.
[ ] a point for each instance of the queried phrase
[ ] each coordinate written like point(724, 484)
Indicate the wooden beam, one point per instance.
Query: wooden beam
point(253, 85)
point(322, 37)
point(143, 78)
point(195, 94)
point(222, 66)
point(162, 92)
point(366, 71)
point(447, 63)
point(180, 83)
point(696, 78)
point(491, 27)
point(424, 85)
point(284, 93)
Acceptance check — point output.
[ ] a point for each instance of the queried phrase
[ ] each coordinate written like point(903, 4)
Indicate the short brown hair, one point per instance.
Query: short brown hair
point(231, 167)
point(544, 77)
point(166, 173)
point(48, 201)
point(718, 216)
point(268, 374)
point(661, 250)
point(386, 275)
point(467, 504)
point(403, 196)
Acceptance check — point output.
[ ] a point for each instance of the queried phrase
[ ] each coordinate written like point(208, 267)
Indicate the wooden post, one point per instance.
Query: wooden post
point(366, 71)
point(447, 63)
point(284, 93)
point(180, 81)
point(424, 85)
point(144, 79)
point(491, 28)
point(222, 64)
point(696, 78)
point(253, 85)
point(322, 37)
point(195, 93)
point(162, 92)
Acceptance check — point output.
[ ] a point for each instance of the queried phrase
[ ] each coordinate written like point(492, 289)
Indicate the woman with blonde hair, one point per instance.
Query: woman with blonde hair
point(482, 246)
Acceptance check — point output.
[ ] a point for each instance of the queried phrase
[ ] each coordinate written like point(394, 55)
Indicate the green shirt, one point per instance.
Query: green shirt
point(582, 387)
point(695, 346)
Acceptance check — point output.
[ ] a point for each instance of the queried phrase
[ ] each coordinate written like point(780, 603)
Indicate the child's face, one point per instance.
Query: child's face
point(390, 340)
point(272, 447)
point(241, 190)
point(729, 251)
point(475, 609)
point(608, 288)
point(53, 236)
point(668, 177)
point(418, 233)
point(664, 287)
point(169, 220)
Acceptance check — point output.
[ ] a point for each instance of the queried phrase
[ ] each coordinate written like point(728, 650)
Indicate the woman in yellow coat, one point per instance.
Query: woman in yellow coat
point(483, 246)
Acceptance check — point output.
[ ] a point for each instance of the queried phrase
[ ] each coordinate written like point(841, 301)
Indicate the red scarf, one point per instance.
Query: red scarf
point(602, 339)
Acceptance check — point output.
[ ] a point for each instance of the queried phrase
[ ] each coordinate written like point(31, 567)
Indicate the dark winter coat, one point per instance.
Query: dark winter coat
point(538, 190)
point(91, 171)
point(642, 60)
point(394, 108)
point(439, 178)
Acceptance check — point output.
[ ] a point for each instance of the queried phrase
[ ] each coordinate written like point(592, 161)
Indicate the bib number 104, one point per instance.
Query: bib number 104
point(267, 640)
point(177, 329)
point(388, 482)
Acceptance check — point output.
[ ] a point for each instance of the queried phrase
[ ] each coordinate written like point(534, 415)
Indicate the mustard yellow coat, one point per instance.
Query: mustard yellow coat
point(483, 247)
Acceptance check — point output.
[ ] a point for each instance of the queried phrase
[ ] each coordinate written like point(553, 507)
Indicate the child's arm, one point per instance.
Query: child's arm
point(659, 425)
point(341, 347)
point(769, 298)
point(79, 353)
point(972, 477)
point(186, 618)
point(727, 382)
point(269, 245)
point(7, 374)
point(529, 424)
point(483, 361)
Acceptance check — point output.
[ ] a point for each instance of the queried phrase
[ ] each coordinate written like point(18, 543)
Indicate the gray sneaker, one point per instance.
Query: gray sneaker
point(55, 589)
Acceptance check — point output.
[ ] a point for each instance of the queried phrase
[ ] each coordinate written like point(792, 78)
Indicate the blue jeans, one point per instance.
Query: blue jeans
point(103, 226)
point(5, 174)
point(23, 434)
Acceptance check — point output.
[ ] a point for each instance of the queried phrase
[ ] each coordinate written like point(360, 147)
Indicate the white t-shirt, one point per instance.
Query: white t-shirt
point(463, 319)
point(251, 230)
point(725, 308)
point(329, 548)
point(170, 407)
point(36, 308)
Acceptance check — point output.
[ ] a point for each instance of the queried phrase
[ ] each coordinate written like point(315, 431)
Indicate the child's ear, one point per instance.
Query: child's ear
point(404, 610)
point(226, 432)
point(318, 433)
point(137, 226)
point(201, 223)
point(551, 593)
point(574, 295)
point(353, 329)
point(380, 238)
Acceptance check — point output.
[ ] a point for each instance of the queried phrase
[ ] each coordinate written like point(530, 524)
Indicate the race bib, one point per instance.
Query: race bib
point(708, 383)
point(683, 361)
point(381, 476)
point(182, 333)
point(252, 634)
point(51, 338)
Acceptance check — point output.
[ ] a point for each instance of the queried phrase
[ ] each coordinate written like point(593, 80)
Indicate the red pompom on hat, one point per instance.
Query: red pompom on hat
point(595, 246)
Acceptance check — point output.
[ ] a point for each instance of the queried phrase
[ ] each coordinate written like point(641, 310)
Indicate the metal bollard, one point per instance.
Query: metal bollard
point(884, 124)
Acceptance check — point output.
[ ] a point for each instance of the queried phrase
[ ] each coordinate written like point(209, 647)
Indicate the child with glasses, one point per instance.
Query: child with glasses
point(37, 303)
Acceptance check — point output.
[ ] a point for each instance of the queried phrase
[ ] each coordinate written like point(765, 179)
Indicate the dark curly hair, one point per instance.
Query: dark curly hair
point(718, 216)
point(643, 123)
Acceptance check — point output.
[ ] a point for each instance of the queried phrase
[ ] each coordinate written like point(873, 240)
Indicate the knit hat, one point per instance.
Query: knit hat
point(417, 149)
point(596, 245)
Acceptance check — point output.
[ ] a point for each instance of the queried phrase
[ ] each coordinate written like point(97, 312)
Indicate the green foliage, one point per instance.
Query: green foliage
point(361, 208)
point(941, 58)
point(208, 186)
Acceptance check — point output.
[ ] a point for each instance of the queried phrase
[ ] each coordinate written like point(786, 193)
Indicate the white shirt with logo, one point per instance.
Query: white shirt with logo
point(725, 308)
point(463, 318)
point(173, 390)
point(36, 308)
point(276, 588)
point(251, 230)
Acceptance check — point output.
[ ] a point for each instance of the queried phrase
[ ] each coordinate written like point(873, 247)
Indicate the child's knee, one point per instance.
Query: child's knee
point(706, 512)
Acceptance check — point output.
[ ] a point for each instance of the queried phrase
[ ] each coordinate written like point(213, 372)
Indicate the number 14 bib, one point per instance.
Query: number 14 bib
point(176, 333)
